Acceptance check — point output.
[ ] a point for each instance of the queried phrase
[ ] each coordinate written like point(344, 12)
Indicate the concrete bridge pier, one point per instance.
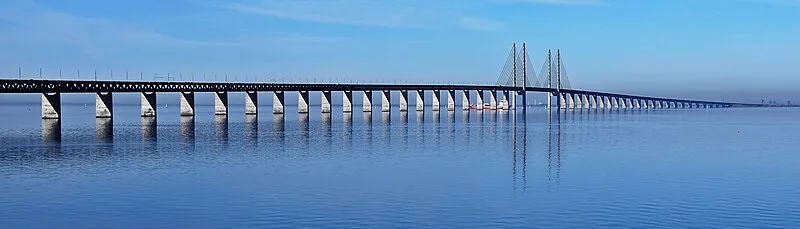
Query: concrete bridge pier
point(278, 102)
point(578, 101)
point(420, 97)
point(186, 104)
point(562, 101)
point(479, 98)
point(465, 100)
point(325, 97)
point(386, 105)
point(150, 105)
point(506, 100)
point(104, 105)
point(51, 105)
point(587, 104)
point(366, 102)
point(251, 103)
point(570, 101)
point(221, 103)
point(302, 102)
point(614, 102)
point(451, 100)
point(403, 100)
point(623, 103)
point(636, 104)
point(493, 99)
point(435, 100)
point(347, 102)
point(599, 102)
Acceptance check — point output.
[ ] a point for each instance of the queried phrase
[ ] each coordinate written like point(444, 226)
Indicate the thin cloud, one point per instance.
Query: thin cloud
point(479, 24)
point(33, 22)
point(559, 2)
point(397, 14)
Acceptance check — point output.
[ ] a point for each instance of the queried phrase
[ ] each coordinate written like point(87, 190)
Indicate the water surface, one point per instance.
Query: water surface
point(718, 168)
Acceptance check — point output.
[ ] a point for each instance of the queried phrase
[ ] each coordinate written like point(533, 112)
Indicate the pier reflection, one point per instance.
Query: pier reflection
point(251, 129)
point(327, 127)
point(187, 128)
point(348, 126)
point(554, 145)
point(51, 130)
point(279, 127)
point(149, 129)
point(367, 123)
point(104, 130)
point(221, 128)
point(302, 120)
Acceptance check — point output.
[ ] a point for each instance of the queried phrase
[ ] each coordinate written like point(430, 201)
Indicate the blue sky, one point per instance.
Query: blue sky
point(695, 48)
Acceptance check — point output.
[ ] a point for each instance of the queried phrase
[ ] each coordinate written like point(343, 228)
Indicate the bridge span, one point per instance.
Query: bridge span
point(514, 81)
point(51, 91)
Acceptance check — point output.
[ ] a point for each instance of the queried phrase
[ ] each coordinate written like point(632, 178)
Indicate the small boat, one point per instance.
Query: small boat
point(486, 106)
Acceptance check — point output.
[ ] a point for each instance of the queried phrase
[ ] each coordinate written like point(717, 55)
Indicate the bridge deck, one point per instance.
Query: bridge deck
point(85, 86)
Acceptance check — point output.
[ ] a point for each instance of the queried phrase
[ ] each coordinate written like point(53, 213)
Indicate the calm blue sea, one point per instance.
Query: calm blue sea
point(718, 168)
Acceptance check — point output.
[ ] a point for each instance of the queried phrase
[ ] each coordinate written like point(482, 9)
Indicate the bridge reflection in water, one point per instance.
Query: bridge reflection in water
point(516, 132)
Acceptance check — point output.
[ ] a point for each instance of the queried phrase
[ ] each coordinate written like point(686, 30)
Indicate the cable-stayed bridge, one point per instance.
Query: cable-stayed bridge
point(517, 78)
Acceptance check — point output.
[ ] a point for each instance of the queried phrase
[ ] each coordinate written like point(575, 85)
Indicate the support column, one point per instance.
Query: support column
point(221, 103)
point(186, 107)
point(571, 101)
point(251, 103)
point(325, 96)
point(600, 103)
point(403, 100)
point(278, 102)
point(506, 100)
point(104, 105)
point(479, 97)
point(302, 102)
point(451, 100)
point(562, 100)
point(420, 96)
point(366, 101)
point(149, 104)
point(578, 101)
point(347, 101)
point(465, 100)
point(493, 99)
point(386, 99)
point(51, 105)
point(614, 102)
point(435, 100)
point(636, 104)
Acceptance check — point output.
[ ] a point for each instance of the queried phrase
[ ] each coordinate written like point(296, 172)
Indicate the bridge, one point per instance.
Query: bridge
point(514, 81)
